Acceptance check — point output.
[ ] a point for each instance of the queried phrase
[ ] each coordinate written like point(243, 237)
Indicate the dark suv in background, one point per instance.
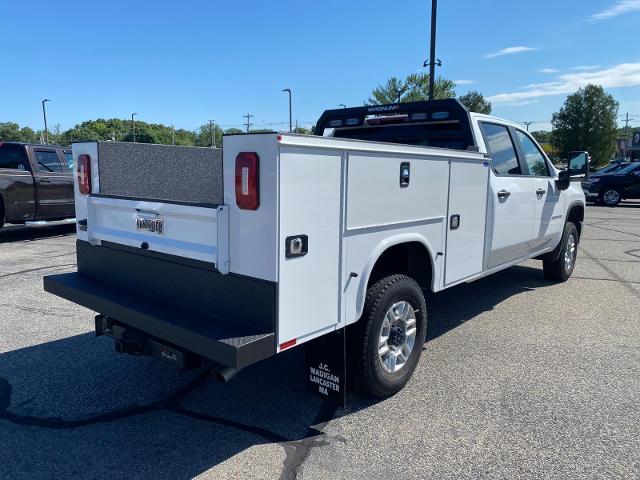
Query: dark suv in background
point(609, 189)
point(36, 183)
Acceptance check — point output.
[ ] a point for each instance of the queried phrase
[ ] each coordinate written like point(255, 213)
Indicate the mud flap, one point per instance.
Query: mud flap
point(326, 367)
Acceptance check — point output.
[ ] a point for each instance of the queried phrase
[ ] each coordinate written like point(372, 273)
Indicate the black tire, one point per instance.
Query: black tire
point(610, 197)
point(370, 375)
point(1, 213)
point(558, 270)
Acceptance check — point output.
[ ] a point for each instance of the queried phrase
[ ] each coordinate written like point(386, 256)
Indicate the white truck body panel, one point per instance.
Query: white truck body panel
point(346, 196)
point(309, 286)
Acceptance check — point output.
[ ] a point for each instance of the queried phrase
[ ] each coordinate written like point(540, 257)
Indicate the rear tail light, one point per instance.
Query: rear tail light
point(84, 174)
point(247, 181)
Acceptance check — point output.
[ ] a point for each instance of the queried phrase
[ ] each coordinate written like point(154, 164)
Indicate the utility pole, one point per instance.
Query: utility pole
point(248, 116)
point(432, 52)
point(527, 124)
point(173, 135)
point(288, 90)
point(626, 135)
point(44, 114)
point(212, 132)
point(133, 124)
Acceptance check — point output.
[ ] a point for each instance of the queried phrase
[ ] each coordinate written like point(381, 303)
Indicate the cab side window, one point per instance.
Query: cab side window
point(13, 157)
point(536, 163)
point(501, 149)
point(48, 161)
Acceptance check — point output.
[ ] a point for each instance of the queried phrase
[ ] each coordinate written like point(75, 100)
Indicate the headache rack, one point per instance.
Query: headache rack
point(437, 123)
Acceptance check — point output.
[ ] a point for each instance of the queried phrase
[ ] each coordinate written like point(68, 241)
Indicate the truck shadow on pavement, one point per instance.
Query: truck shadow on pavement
point(73, 407)
point(18, 233)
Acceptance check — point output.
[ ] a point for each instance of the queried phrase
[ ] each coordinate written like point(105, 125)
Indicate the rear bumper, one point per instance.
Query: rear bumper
point(218, 339)
point(185, 303)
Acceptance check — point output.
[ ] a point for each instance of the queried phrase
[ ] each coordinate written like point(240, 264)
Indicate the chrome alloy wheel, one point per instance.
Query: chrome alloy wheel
point(570, 252)
point(611, 197)
point(397, 336)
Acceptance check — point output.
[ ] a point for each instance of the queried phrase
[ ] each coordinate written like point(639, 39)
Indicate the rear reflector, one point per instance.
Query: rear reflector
point(84, 174)
point(287, 344)
point(247, 181)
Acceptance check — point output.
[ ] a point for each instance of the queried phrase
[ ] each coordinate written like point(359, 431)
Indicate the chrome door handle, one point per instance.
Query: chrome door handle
point(44, 180)
point(503, 194)
point(540, 192)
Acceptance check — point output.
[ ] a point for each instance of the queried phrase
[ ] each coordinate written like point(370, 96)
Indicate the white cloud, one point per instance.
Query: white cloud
point(509, 51)
point(623, 75)
point(584, 68)
point(548, 70)
point(464, 82)
point(520, 104)
point(619, 8)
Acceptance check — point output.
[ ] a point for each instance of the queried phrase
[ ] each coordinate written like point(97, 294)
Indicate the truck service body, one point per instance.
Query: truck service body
point(284, 238)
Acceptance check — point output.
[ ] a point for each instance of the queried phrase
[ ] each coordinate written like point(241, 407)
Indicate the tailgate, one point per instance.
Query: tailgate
point(199, 233)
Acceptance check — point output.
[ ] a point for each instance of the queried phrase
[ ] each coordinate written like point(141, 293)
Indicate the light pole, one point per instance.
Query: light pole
point(133, 123)
point(44, 114)
point(342, 105)
point(527, 124)
point(432, 53)
point(288, 90)
point(212, 132)
point(173, 135)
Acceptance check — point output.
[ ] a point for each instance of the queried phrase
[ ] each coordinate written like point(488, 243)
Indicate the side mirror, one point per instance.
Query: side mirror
point(578, 164)
point(564, 180)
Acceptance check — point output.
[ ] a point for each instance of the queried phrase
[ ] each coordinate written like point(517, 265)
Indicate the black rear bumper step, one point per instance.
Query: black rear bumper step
point(217, 339)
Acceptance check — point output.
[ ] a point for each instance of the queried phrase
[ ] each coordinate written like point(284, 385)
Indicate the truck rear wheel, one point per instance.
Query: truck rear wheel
point(561, 269)
point(390, 335)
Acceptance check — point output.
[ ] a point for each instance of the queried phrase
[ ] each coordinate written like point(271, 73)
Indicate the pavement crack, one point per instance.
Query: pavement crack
point(171, 403)
point(298, 451)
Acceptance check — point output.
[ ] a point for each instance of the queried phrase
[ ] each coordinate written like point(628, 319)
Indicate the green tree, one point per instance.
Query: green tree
point(11, 132)
point(542, 136)
point(414, 88)
point(587, 121)
point(203, 135)
point(302, 130)
point(475, 102)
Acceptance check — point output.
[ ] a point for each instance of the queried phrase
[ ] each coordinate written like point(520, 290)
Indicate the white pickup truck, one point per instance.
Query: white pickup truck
point(193, 255)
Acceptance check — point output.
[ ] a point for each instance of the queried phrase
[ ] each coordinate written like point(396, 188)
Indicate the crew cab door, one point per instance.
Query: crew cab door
point(17, 196)
point(631, 182)
point(511, 199)
point(54, 183)
point(549, 203)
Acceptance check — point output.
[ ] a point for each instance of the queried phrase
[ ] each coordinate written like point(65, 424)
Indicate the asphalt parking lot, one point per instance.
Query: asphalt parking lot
point(519, 378)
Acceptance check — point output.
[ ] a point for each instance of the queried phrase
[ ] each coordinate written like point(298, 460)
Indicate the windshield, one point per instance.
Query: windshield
point(610, 168)
point(629, 168)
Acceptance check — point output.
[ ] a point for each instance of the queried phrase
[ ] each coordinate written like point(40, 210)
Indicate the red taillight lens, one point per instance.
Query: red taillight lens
point(84, 174)
point(247, 181)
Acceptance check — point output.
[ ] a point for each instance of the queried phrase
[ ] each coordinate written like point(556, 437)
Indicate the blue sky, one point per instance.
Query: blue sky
point(184, 63)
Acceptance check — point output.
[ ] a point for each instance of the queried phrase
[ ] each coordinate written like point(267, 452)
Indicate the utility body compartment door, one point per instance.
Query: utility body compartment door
point(468, 184)
point(308, 286)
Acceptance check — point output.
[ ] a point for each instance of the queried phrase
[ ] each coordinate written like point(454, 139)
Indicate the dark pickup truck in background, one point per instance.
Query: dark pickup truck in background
point(36, 183)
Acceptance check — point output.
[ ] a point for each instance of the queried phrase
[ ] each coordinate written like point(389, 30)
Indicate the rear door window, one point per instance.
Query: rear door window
point(12, 157)
point(501, 148)
point(48, 161)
